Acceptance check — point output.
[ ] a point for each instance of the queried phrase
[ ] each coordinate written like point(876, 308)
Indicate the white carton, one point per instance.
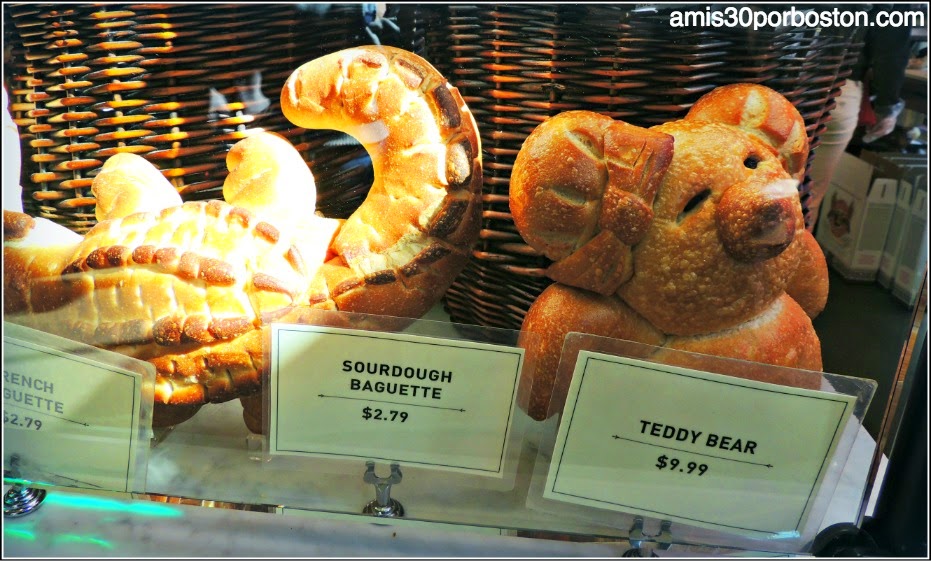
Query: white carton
point(911, 172)
point(900, 218)
point(913, 257)
point(855, 218)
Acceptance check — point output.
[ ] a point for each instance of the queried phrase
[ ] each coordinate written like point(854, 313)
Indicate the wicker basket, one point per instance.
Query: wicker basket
point(181, 83)
point(517, 65)
point(178, 84)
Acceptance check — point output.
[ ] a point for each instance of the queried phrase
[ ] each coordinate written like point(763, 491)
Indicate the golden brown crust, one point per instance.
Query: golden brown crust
point(764, 113)
point(809, 284)
point(183, 287)
point(581, 172)
point(695, 288)
point(601, 265)
point(557, 182)
point(16, 224)
point(685, 280)
point(560, 309)
point(422, 211)
point(581, 193)
point(782, 335)
point(637, 161)
point(252, 412)
point(32, 284)
point(755, 222)
point(286, 189)
point(409, 294)
point(127, 184)
point(702, 266)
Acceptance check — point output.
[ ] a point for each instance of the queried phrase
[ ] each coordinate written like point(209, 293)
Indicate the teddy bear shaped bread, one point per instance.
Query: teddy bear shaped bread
point(687, 235)
point(188, 286)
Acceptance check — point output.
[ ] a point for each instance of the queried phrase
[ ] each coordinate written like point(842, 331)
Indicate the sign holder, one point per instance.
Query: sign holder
point(643, 400)
point(20, 499)
point(319, 410)
point(383, 506)
point(75, 415)
point(641, 541)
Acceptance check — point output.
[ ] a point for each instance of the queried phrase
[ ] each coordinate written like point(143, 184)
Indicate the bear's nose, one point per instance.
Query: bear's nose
point(757, 222)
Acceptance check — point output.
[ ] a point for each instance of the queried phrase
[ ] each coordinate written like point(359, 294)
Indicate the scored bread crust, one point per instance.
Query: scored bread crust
point(582, 191)
point(184, 288)
point(188, 286)
point(762, 112)
point(687, 281)
point(718, 258)
point(401, 249)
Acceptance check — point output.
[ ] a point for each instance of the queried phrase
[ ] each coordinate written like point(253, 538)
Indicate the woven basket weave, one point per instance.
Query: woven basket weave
point(178, 84)
point(517, 65)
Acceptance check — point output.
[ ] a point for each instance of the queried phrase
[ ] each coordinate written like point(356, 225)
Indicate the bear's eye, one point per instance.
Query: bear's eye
point(752, 161)
point(694, 202)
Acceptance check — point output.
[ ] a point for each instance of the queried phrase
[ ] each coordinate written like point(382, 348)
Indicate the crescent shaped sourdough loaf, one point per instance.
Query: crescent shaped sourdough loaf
point(401, 249)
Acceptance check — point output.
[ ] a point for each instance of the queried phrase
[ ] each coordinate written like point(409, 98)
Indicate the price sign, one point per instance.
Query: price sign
point(20, 421)
point(71, 413)
point(665, 462)
point(444, 403)
point(376, 415)
point(695, 447)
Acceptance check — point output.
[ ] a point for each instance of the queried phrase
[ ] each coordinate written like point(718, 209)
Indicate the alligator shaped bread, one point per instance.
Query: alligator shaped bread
point(188, 286)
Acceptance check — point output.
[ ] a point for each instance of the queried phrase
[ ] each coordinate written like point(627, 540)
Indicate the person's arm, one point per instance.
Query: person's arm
point(888, 57)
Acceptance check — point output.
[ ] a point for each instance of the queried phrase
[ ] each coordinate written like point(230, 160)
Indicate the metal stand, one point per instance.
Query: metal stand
point(639, 540)
point(383, 506)
point(20, 500)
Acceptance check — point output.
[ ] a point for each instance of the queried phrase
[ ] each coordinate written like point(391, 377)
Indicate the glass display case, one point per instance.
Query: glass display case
point(267, 258)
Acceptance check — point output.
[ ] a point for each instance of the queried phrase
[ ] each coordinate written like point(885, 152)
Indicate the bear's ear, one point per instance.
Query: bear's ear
point(581, 193)
point(762, 112)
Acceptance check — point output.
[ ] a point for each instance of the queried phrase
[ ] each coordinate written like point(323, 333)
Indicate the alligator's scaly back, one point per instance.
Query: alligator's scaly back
point(173, 284)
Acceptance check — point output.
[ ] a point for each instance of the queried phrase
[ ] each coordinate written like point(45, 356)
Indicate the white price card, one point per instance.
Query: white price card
point(704, 449)
point(73, 418)
point(442, 403)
